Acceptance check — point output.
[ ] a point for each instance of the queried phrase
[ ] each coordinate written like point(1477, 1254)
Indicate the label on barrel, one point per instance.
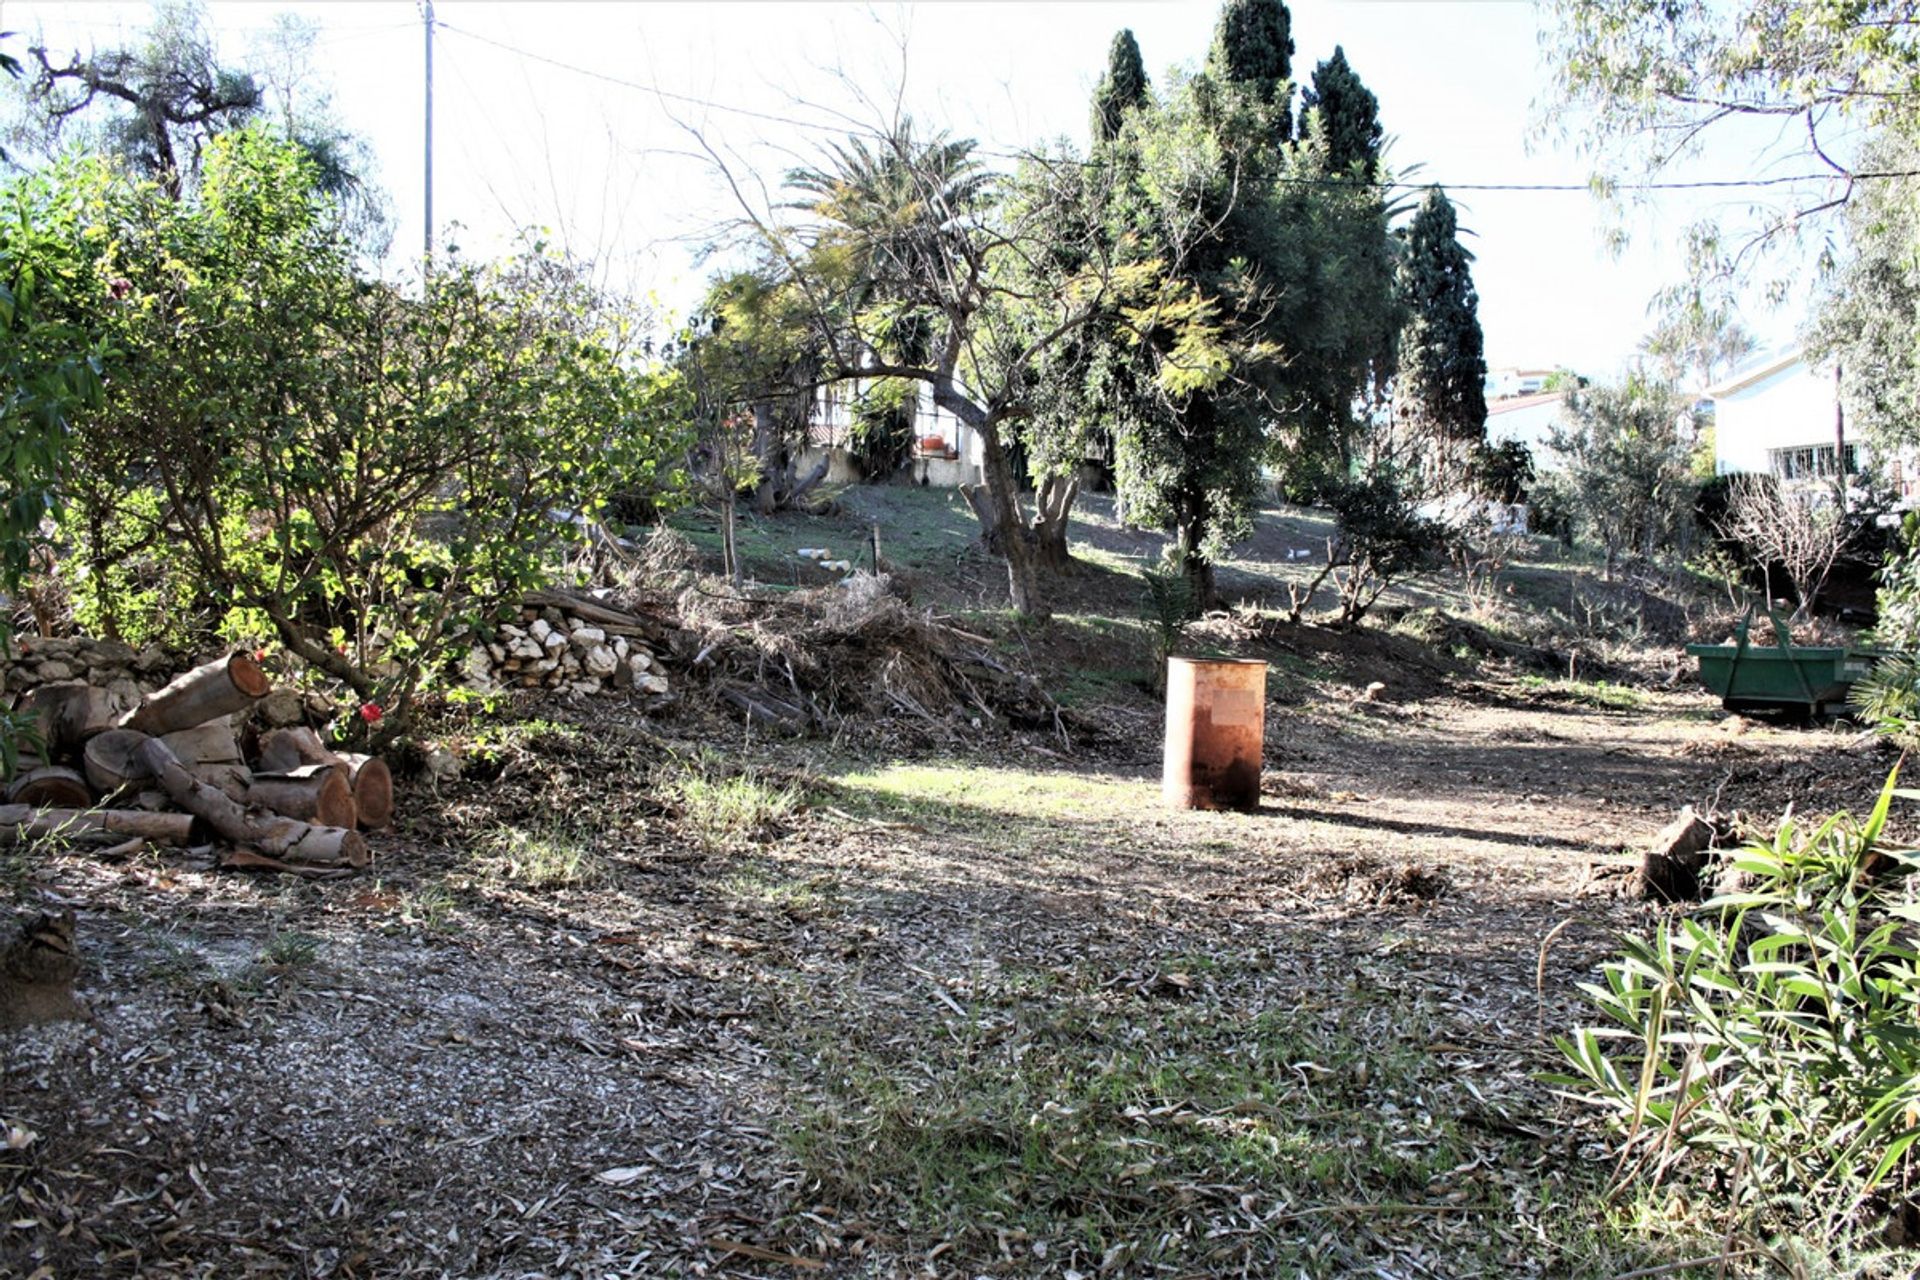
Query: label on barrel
point(1236, 707)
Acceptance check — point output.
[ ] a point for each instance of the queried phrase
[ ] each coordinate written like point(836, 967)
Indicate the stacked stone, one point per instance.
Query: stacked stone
point(106, 664)
point(552, 649)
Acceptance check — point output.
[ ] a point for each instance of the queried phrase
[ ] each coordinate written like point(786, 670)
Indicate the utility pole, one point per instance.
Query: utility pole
point(426, 13)
point(1839, 439)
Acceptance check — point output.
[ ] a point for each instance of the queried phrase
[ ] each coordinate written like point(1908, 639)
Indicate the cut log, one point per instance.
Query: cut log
point(51, 785)
point(210, 743)
point(232, 778)
point(319, 795)
point(372, 790)
point(287, 839)
point(1670, 868)
point(112, 759)
point(68, 713)
point(287, 750)
point(161, 828)
point(219, 688)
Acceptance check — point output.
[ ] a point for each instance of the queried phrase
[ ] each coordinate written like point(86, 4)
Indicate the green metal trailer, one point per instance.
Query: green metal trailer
point(1782, 675)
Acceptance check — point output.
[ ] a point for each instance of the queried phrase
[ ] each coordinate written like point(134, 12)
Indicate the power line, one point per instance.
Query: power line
point(1549, 188)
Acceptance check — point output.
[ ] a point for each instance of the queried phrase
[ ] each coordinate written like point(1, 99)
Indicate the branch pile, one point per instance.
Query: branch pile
point(818, 661)
point(175, 766)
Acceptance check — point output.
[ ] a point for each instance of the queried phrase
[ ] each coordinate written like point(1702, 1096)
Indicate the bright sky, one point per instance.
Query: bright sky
point(535, 127)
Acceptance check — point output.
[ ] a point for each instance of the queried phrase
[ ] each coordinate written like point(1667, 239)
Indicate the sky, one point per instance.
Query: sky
point(588, 121)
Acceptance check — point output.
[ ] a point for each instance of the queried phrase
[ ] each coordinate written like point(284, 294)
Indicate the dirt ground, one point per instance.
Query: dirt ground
point(985, 1013)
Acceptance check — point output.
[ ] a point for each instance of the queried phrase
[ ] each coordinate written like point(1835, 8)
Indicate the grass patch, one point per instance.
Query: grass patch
point(1142, 1127)
point(721, 806)
point(546, 857)
point(1603, 695)
point(970, 793)
point(288, 949)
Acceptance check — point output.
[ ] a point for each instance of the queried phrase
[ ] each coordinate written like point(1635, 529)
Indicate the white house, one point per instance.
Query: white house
point(1780, 416)
point(946, 452)
point(1504, 384)
point(1530, 419)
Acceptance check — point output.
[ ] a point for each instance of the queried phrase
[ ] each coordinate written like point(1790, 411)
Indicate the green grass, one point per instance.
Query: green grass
point(1178, 1123)
point(720, 807)
point(966, 793)
point(288, 949)
point(1602, 695)
point(551, 856)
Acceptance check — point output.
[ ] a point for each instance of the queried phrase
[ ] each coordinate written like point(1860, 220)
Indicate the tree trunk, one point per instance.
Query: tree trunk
point(1018, 543)
point(287, 750)
point(161, 828)
point(729, 550)
point(1187, 537)
point(1053, 505)
point(205, 693)
point(112, 759)
point(68, 713)
point(285, 838)
point(372, 784)
point(315, 793)
point(773, 466)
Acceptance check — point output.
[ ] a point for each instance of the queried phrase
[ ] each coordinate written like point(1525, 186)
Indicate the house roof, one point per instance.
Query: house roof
point(1511, 403)
point(1760, 371)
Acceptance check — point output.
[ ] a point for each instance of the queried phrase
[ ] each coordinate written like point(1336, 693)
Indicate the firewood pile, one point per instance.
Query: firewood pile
point(182, 765)
point(573, 643)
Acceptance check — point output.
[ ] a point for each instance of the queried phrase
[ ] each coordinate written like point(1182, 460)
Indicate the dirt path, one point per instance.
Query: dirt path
point(996, 1016)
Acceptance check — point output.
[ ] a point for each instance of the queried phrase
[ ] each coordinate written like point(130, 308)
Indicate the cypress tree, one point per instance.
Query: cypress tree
point(1253, 46)
point(1443, 368)
point(1124, 86)
point(1349, 113)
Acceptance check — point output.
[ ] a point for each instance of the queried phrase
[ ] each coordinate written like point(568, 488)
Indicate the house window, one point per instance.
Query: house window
point(1811, 462)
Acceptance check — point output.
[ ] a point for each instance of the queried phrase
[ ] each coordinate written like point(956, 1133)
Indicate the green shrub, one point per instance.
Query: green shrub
point(1169, 602)
point(291, 450)
point(1380, 538)
point(1764, 1052)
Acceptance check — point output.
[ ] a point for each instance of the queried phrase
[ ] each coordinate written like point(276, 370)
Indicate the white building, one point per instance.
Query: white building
point(1530, 419)
point(1778, 417)
point(1504, 384)
point(946, 452)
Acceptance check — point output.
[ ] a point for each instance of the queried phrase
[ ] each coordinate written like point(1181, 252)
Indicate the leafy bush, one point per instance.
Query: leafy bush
point(1169, 602)
point(49, 370)
point(1890, 698)
point(1627, 486)
point(1763, 1052)
point(289, 450)
point(1380, 539)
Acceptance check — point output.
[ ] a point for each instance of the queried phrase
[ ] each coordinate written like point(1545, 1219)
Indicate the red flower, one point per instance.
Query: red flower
point(370, 712)
point(259, 655)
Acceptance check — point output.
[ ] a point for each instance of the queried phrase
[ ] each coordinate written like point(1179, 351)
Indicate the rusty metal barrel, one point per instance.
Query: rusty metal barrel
point(1216, 722)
